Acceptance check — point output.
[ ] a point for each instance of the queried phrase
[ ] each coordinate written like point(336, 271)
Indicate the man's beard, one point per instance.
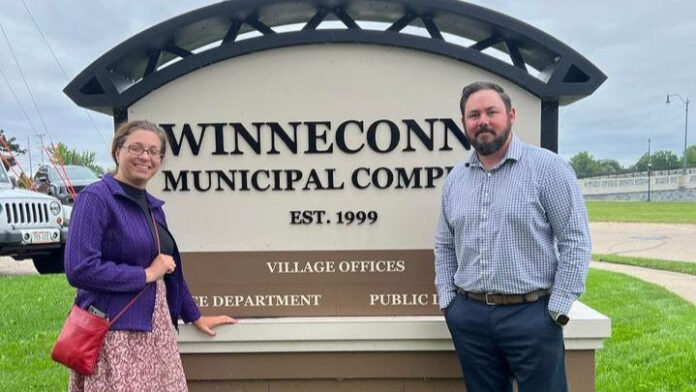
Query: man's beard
point(493, 146)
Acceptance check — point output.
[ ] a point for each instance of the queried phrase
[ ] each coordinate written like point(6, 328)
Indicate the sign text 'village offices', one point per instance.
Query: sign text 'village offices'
point(309, 140)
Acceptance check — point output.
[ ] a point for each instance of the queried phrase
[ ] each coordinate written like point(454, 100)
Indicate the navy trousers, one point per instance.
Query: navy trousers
point(499, 344)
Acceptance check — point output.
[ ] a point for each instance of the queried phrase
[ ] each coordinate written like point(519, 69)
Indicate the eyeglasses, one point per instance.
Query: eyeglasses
point(139, 149)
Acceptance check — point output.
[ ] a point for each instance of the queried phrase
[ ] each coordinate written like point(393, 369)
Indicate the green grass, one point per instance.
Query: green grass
point(652, 347)
point(645, 212)
point(33, 311)
point(684, 267)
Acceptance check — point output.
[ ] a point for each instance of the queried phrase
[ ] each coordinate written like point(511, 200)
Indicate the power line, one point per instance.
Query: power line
point(26, 115)
point(14, 94)
point(24, 79)
point(62, 70)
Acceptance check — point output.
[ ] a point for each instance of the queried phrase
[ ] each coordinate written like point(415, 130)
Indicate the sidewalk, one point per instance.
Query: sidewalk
point(10, 266)
point(648, 240)
point(683, 285)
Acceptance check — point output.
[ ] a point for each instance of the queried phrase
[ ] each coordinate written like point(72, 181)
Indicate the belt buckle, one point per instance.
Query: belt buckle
point(488, 302)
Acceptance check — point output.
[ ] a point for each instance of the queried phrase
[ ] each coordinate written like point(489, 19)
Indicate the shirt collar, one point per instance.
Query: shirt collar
point(514, 153)
point(116, 189)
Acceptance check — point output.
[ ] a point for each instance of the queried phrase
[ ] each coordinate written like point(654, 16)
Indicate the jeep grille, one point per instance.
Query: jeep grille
point(26, 213)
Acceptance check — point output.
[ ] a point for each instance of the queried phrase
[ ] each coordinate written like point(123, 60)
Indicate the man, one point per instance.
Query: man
point(512, 249)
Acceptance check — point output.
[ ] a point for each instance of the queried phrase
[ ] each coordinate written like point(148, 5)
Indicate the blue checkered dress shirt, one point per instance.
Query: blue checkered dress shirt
point(515, 229)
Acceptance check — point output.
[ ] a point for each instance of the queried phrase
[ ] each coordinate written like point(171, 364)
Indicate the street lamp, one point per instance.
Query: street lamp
point(649, 167)
point(686, 121)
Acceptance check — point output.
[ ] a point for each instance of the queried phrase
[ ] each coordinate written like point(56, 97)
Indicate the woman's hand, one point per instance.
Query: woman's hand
point(206, 324)
point(161, 265)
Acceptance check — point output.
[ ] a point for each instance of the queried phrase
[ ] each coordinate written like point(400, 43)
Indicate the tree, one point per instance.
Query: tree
point(664, 160)
point(74, 157)
point(660, 160)
point(14, 148)
point(24, 181)
point(584, 165)
point(642, 164)
point(609, 166)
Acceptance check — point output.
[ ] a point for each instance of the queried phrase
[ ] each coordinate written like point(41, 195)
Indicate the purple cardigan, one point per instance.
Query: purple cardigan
point(109, 246)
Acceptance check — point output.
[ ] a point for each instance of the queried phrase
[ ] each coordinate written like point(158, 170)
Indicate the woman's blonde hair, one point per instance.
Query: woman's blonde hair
point(129, 127)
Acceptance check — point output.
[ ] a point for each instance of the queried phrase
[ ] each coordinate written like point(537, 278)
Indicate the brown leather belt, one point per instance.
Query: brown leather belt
point(505, 299)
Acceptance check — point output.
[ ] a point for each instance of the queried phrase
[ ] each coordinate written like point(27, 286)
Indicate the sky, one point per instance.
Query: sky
point(645, 47)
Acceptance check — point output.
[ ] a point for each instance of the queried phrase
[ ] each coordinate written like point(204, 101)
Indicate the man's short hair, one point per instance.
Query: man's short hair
point(478, 86)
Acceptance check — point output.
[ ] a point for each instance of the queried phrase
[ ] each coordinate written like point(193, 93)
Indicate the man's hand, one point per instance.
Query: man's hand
point(206, 324)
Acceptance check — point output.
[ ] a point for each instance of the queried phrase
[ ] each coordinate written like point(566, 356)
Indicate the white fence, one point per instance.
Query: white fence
point(671, 180)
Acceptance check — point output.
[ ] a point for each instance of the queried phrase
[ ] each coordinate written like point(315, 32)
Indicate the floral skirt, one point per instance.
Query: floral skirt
point(138, 361)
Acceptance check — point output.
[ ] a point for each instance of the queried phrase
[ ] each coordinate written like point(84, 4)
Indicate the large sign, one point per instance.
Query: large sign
point(309, 142)
point(306, 180)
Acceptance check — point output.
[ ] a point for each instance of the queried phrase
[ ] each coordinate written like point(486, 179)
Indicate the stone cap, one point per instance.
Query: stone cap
point(586, 330)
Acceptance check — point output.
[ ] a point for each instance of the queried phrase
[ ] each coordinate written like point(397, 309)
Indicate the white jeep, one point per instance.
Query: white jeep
point(32, 225)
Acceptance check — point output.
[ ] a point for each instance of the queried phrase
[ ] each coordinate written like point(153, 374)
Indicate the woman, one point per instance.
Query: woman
point(119, 245)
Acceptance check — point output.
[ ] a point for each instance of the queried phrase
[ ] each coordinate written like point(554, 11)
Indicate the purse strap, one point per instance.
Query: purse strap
point(132, 301)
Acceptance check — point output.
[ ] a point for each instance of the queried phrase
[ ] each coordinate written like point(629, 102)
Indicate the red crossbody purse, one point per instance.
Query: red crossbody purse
point(81, 338)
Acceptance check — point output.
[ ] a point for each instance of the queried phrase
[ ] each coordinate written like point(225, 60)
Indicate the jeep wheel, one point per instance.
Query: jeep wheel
point(51, 263)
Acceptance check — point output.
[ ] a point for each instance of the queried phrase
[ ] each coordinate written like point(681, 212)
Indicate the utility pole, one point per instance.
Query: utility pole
point(649, 169)
point(31, 169)
point(686, 101)
point(41, 136)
